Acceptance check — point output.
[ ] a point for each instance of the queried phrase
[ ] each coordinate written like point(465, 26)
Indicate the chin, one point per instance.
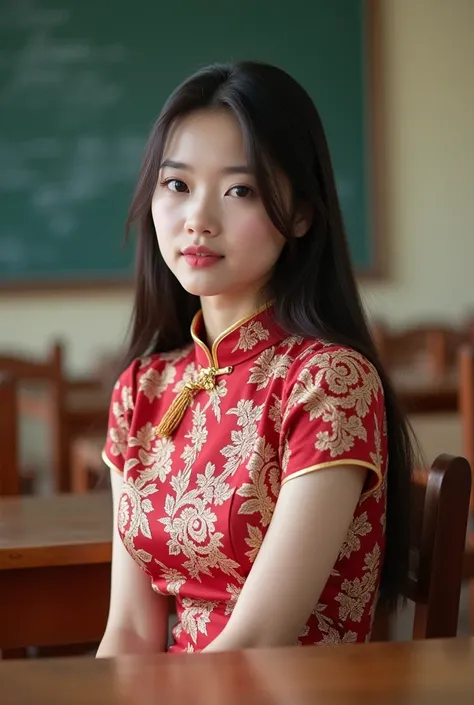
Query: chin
point(202, 289)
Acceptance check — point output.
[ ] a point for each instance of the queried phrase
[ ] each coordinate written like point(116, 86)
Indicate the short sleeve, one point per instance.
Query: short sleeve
point(120, 417)
point(333, 414)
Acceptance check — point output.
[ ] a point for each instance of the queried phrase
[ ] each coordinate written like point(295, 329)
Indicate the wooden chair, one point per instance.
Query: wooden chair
point(89, 471)
point(10, 475)
point(9, 441)
point(466, 399)
point(466, 407)
point(440, 501)
point(432, 347)
point(48, 373)
point(14, 479)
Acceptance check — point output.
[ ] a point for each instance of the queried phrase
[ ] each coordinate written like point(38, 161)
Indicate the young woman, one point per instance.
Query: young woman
point(260, 465)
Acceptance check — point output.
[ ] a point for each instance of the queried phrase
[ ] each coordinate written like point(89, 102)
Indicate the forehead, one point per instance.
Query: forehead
point(206, 135)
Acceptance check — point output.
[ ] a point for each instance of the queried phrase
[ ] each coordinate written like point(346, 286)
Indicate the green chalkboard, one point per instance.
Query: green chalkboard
point(81, 83)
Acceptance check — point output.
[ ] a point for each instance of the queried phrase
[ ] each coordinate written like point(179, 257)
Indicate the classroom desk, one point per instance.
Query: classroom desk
point(412, 673)
point(55, 555)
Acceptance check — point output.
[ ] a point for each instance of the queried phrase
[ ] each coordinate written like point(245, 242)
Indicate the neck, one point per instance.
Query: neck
point(219, 315)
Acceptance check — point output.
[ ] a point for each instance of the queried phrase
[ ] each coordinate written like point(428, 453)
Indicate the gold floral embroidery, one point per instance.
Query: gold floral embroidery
point(119, 434)
point(125, 404)
point(215, 397)
point(189, 375)
point(376, 457)
point(173, 578)
point(195, 617)
point(144, 438)
point(135, 504)
point(153, 383)
point(348, 372)
point(214, 489)
point(254, 540)
point(261, 463)
point(197, 436)
point(350, 387)
point(292, 341)
point(123, 516)
point(119, 437)
point(250, 335)
point(192, 532)
point(189, 521)
point(243, 441)
point(145, 362)
point(380, 493)
point(286, 455)
point(269, 366)
point(304, 633)
point(325, 625)
point(360, 527)
point(155, 454)
point(334, 637)
point(234, 592)
point(358, 592)
point(324, 622)
point(274, 413)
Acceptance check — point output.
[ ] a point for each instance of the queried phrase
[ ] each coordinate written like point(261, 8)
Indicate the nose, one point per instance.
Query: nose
point(201, 218)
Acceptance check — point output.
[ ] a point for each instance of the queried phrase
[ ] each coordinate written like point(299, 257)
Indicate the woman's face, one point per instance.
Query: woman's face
point(212, 228)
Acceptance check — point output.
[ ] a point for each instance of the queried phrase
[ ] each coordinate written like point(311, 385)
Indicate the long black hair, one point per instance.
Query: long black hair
point(313, 285)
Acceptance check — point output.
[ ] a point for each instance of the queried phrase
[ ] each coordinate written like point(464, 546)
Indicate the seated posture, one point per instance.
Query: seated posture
point(260, 465)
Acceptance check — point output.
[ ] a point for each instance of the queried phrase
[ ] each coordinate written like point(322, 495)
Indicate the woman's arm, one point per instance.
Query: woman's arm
point(138, 617)
point(310, 523)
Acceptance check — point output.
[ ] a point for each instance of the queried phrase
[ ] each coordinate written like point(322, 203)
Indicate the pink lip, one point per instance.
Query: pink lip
point(201, 257)
point(201, 250)
point(200, 261)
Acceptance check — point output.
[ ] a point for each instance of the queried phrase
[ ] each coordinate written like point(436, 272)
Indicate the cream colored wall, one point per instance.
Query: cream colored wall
point(429, 84)
point(429, 69)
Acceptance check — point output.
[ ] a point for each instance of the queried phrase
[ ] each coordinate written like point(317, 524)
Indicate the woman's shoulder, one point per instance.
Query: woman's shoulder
point(317, 353)
point(332, 366)
point(154, 370)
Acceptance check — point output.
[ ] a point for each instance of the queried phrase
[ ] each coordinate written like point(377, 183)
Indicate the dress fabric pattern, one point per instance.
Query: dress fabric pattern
point(195, 506)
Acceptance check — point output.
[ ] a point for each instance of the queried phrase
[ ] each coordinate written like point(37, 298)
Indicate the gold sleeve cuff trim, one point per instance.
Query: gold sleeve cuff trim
point(335, 463)
point(110, 464)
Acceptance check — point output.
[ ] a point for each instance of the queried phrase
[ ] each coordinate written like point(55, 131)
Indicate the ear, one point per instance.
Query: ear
point(303, 219)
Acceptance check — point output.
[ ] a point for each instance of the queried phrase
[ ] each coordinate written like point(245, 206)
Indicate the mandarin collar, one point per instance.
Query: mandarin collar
point(244, 340)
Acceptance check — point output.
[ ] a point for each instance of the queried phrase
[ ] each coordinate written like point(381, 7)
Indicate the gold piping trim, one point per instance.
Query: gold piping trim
point(334, 463)
point(212, 354)
point(110, 464)
point(197, 340)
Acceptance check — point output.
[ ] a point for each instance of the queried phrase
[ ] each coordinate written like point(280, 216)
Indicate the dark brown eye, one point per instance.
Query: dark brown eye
point(177, 185)
point(241, 191)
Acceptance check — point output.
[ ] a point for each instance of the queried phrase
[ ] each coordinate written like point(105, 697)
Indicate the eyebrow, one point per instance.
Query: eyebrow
point(238, 169)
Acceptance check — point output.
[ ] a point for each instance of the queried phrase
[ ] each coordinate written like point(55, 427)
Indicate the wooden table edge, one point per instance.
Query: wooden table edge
point(58, 555)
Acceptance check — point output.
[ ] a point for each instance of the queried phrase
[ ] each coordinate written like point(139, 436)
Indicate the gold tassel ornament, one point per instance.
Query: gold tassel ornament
point(174, 415)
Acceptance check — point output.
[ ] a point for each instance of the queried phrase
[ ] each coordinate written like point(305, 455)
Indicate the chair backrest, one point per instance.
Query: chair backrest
point(429, 347)
point(50, 372)
point(27, 368)
point(440, 509)
point(9, 440)
point(466, 398)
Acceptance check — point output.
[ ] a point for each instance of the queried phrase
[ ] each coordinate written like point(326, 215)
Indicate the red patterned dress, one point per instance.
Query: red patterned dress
point(196, 503)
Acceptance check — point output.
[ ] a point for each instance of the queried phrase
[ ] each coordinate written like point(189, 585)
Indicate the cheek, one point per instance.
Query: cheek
point(165, 217)
point(255, 232)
